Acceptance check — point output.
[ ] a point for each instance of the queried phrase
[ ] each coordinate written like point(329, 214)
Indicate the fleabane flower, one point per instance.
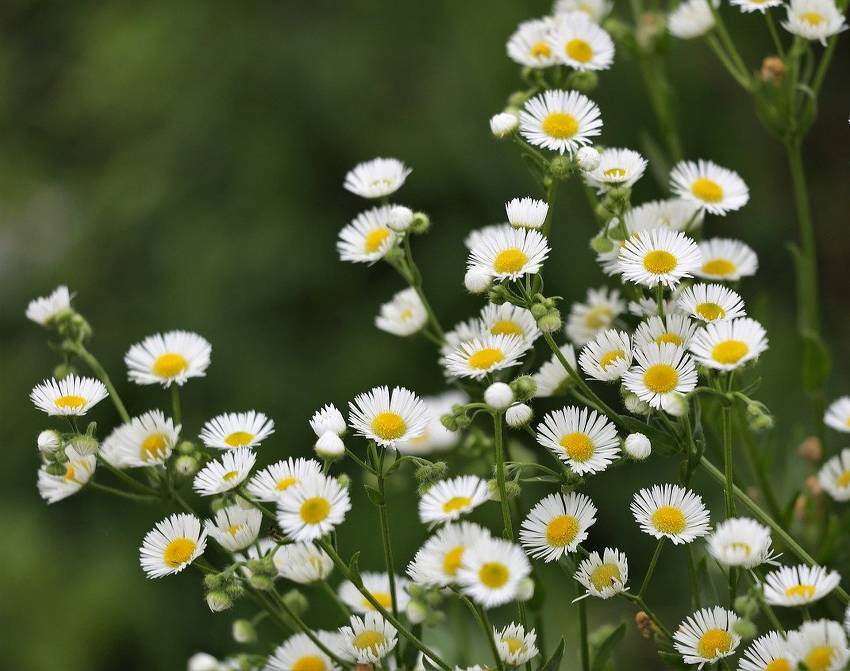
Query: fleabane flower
point(327, 418)
point(70, 396)
point(376, 178)
point(312, 509)
point(45, 309)
point(388, 417)
point(236, 429)
point(716, 189)
point(369, 237)
point(617, 167)
point(821, 645)
point(515, 646)
point(770, 652)
point(508, 254)
point(556, 525)
point(483, 355)
point(304, 563)
point(78, 471)
point(404, 315)
point(504, 124)
point(604, 576)
point(146, 440)
point(748, 6)
point(447, 500)
point(435, 437)
point(726, 260)
point(728, 345)
point(837, 415)
point(670, 511)
point(227, 473)
point(172, 545)
point(707, 636)
point(300, 653)
point(740, 541)
point(799, 585)
point(711, 303)
point(834, 476)
point(658, 256)
point(660, 371)
point(596, 314)
point(491, 571)
point(675, 329)
point(595, 9)
point(235, 527)
point(582, 438)
point(527, 212)
point(814, 19)
point(607, 356)
point(691, 19)
point(529, 44)
point(367, 640)
point(510, 320)
point(559, 120)
point(579, 42)
point(378, 585)
point(168, 358)
point(436, 563)
point(269, 483)
point(553, 379)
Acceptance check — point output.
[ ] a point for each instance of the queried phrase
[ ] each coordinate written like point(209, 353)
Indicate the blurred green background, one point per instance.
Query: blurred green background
point(179, 165)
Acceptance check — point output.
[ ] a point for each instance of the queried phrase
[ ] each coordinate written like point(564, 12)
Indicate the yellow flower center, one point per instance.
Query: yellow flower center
point(661, 378)
point(178, 551)
point(456, 503)
point(819, 658)
point(714, 642)
point(239, 439)
point(153, 447)
point(605, 576)
point(812, 18)
point(510, 260)
point(804, 591)
point(69, 401)
point(451, 562)
point(669, 337)
point(233, 529)
point(170, 364)
point(485, 358)
point(561, 531)
point(374, 239)
point(729, 351)
point(406, 314)
point(540, 50)
point(710, 311)
point(719, 267)
point(493, 574)
point(610, 357)
point(369, 640)
point(506, 327)
point(560, 125)
point(577, 445)
point(285, 483)
point(227, 477)
point(659, 262)
point(598, 317)
point(739, 546)
point(514, 644)
point(70, 473)
point(314, 510)
point(778, 664)
point(309, 663)
point(615, 173)
point(383, 598)
point(669, 520)
point(843, 480)
point(389, 425)
point(707, 190)
point(578, 50)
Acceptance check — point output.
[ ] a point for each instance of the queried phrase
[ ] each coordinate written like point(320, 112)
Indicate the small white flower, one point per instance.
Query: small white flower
point(711, 303)
point(675, 329)
point(388, 417)
point(225, 474)
point(582, 438)
point(556, 525)
point(312, 509)
point(553, 379)
point(837, 415)
point(269, 483)
point(691, 19)
point(716, 189)
point(436, 563)
point(235, 527)
point(477, 280)
point(147, 440)
point(518, 415)
point(814, 19)
point(799, 585)
point(369, 639)
point(504, 123)
point(617, 167)
point(70, 396)
point(499, 396)
point(596, 314)
point(400, 219)
point(480, 356)
point(404, 315)
point(559, 120)
point(376, 178)
point(527, 212)
point(769, 652)
point(726, 260)
point(166, 358)
point(304, 563)
point(658, 256)
point(201, 661)
point(660, 370)
point(834, 476)
point(236, 429)
point(172, 545)
point(595, 9)
point(604, 576)
point(299, 653)
point(740, 541)
point(748, 6)
point(508, 254)
point(728, 345)
point(78, 470)
point(447, 500)
point(670, 511)
point(821, 645)
point(608, 356)
point(637, 446)
point(707, 636)
point(509, 320)
point(378, 585)
point(328, 418)
point(529, 45)
point(369, 237)
point(515, 646)
point(580, 43)
point(491, 571)
point(588, 159)
point(45, 309)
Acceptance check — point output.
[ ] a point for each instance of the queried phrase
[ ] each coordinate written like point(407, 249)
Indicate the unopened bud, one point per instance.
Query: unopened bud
point(772, 70)
point(343, 480)
point(218, 601)
point(420, 223)
point(758, 417)
point(416, 611)
point(449, 422)
point(477, 280)
point(601, 244)
point(498, 294)
point(329, 446)
point(637, 446)
point(431, 472)
point(49, 441)
point(512, 490)
point(525, 589)
point(745, 629)
point(503, 124)
point(560, 166)
point(583, 81)
point(674, 404)
point(201, 661)
point(810, 450)
point(588, 158)
point(524, 387)
point(56, 469)
point(63, 370)
point(186, 447)
point(186, 465)
point(644, 624)
point(400, 218)
point(84, 444)
point(550, 322)
point(538, 310)
point(746, 606)
point(813, 485)
point(296, 601)
point(243, 631)
point(499, 395)
point(518, 415)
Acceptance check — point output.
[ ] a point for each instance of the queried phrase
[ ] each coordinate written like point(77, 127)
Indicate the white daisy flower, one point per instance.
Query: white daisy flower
point(677, 214)
point(529, 45)
point(304, 563)
point(670, 511)
point(328, 418)
point(476, 235)
point(711, 303)
point(78, 470)
point(604, 576)
point(435, 437)
point(46, 309)
point(691, 19)
point(510, 253)
point(561, 121)
point(617, 167)
point(313, 508)
point(726, 260)
point(553, 379)
point(70, 396)
point(595, 9)
point(388, 417)
point(515, 646)
point(728, 345)
point(299, 653)
point(369, 237)
point(608, 356)
point(660, 371)
point(227, 473)
point(748, 6)
point(376, 178)
point(740, 541)
point(378, 585)
point(436, 563)
point(821, 645)
point(769, 652)
point(834, 476)
point(596, 314)
point(658, 256)
point(837, 415)
point(717, 190)
point(504, 123)
point(166, 358)
point(236, 429)
point(491, 571)
point(146, 440)
point(707, 636)
point(447, 500)
point(172, 545)
point(479, 357)
point(799, 585)
point(580, 43)
point(814, 19)
point(404, 315)
point(556, 525)
point(675, 329)
point(269, 483)
point(367, 640)
point(582, 438)
point(527, 212)
point(235, 527)
point(509, 320)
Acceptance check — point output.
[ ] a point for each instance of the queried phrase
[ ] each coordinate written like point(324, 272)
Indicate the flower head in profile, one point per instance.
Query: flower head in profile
point(691, 19)
point(369, 237)
point(556, 525)
point(559, 120)
point(605, 575)
point(515, 646)
point(660, 371)
point(369, 639)
point(592, 316)
point(436, 563)
point(224, 474)
point(447, 500)
point(404, 315)
point(46, 309)
point(527, 212)
point(553, 379)
point(762, 6)
point(837, 415)
point(821, 645)
point(670, 511)
point(388, 417)
point(707, 636)
point(529, 44)
point(377, 178)
point(236, 429)
point(300, 653)
point(726, 260)
point(172, 545)
point(168, 358)
point(378, 585)
point(579, 42)
point(834, 476)
point(716, 189)
point(728, 345)
point(327, 418)
point(313, 508)
point(595, 9)
point(78, 470)
point(814, 19)
point(235, 527)
point(617, 167)
point(491, 572)
point(146, 440)
point(768, 653)
point(70, 396)
point(508, 254)
point(304, 563)
point(673, 329)
point(658, 256)
point(740, 541)
point(799, 585)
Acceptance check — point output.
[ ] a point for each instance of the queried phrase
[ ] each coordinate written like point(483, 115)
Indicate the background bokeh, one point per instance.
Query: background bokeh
point(179, 165)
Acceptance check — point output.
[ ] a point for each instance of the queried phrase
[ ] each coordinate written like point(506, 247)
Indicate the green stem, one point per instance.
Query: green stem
point(652, 563)
point(694, 576)
point(724, 59)
point(726, 421)
point(730, 44)
point(175, 403)
point(384, 522)
point(585, 645)
point(481, 618)
point(415, 279)
point(127, 479)
point(641, 603)
point(139, 498)
point(292, 615)
point(508, 531)
point(100, 372)
point(774, 34)
point(551, 190)
point(327, 589)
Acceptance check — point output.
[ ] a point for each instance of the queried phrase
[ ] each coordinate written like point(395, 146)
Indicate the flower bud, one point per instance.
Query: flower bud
point(524, 387)
point(512, 490)
point(49, 441)
point(449, 422)
point(503, 124)
point(63, 370)
point(772, 70)
point(583, 81)
point(400, 218)
point(431, 472)
point(201, 661)
point(675, 404)
point(601, 244)
point(644, 624)
point(420, 223)
point(525, 589)
point(637, 446)
point(186, 465)
point(186, 447)
point(477, 280)
point(550, 322)
point(758, 417)
point(745, 629)
point(635, 406)
point(343, 480)
point(84, 444)
point(518, 415)
point(330, 446)
point(499, 395)
point(538, 310)
point(810, 450)
point(296, 601)
point(243, 631)
point(746, 606)
point(587, 159)
point(218, 601)
point(560, 166)
point(517, 99)
point(261, 582)
point(416, 611)
point(498, 294)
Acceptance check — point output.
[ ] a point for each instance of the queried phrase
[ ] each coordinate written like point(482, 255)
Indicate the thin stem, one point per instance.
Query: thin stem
point(292, 615)
point(415, 279)
point(726, 61)
point(726, 417)
point(582, 625)
point(139, 498)
point(730, 44)
point(551, 190)
point(384, 521)
point(175, 403)
point(128, 479)
point(508, 531)
point(641, 603)
point(481, 618)
point(327, 589)
point(100, 372)
point(694, 576)
point(649, 571)
point(774, 34)
point(259, 506)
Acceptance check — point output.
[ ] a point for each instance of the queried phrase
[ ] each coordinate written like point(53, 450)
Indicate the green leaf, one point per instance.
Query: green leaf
point(374, 495)
point(607, 647)
point(354, 565)
point(816, 362)
point(554, 662)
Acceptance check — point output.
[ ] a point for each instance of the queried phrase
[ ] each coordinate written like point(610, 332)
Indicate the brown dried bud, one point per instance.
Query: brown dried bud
point(810, 450)
point(644, 624)
point(772, 69)
point(813, 485)
point(800, 508)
